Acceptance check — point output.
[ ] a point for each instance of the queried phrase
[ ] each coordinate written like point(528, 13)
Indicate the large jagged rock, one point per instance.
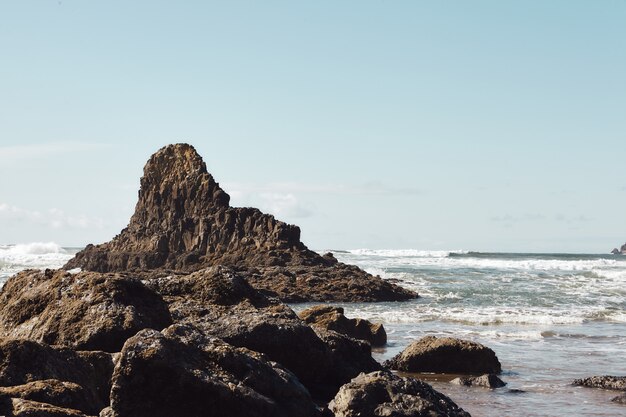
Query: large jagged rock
point(333, 318)
point(221, 303)
point(86, 311)
point(29, 366)
point(604, 382)
point(180, 372)
point(382, 394)
point(446, 355)
point(183, 222)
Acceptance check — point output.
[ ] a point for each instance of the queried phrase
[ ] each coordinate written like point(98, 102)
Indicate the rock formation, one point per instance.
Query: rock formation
point(86, 311)
point(182, 372)
point(221, 303)
point(446, 355)
point(619, 251)
point(382, 394)
point(34, 371)
point(333, 318)
point(604, 382)
point(487, 381)
point(183, 222)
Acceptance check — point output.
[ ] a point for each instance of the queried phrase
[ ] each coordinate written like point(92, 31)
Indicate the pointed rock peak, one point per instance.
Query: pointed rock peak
point(173, 162)
point(176, 185)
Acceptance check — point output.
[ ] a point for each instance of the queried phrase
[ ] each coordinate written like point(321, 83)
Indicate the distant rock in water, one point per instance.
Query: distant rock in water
point(183, 222)
point(604, 382)
point(619, 251)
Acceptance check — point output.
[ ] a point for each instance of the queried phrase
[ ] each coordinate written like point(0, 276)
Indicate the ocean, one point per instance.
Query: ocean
point(550, 318)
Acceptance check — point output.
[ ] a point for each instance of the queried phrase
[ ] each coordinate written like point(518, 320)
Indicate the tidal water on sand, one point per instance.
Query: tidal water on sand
point(550, 318)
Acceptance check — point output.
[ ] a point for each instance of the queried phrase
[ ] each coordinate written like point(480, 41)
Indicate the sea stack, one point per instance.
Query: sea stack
point(620, 251)
point(183, 222)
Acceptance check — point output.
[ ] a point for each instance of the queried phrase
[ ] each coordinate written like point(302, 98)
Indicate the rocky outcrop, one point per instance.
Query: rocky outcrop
point(381, 394)
point(446, 355)
point(86, 311)
point(620, 399)
point(182, 372)
point(81, 380)
point(17, 407)
point(183, 222)
point(53, 392)
point(333, 318)
point(221, 303)
point(604, 382)
point(620, 251)
point(486, 381)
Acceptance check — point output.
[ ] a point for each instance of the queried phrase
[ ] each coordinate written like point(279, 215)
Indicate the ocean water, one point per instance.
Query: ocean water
point(550, 318)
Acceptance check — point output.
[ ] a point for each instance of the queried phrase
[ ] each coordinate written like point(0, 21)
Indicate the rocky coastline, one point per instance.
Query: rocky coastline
point(183, 314)
point(620, 251)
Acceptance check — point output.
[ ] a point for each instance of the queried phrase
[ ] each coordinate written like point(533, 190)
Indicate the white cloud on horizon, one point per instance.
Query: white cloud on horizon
point(53, 218)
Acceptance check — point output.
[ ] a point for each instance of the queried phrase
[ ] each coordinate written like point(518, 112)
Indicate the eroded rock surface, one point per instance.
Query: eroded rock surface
point(29, 366)
point(333, 318)
point(183, 222)
point(605, 382)
point(486, 381)
point(182, 372)
point(381, 394)
point(18, 407)
point(221, 303)
point(54, 392)
point(86, 311)
point(446, 355)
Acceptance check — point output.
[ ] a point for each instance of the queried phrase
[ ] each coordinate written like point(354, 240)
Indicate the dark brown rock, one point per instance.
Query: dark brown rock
point(221, 303)
point(620, 399)
point(183, 373)
point(86, 311)
point(54, 392)
point(605, 382)
point(183, 222)
point(487, 381)
point(333, 318)
point(446, 355)
point(17, 407)
point(382, 394)
point(23, 362)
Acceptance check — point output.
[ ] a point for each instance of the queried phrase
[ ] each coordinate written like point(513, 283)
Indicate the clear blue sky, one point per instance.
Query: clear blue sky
point(483, 125)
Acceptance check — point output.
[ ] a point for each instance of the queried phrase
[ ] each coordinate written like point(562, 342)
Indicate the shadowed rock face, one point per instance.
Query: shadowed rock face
point(183, 222)
point(182, 372)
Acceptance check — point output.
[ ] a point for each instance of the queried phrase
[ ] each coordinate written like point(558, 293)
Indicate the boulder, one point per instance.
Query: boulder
point(333, 318)
point(183, 222)
point(605, 382)
point(180, 372)
point(221, 303)
point(381, 394)
point(29, 366)
point(487, 381)
point(446, 355)
point(620, 399)
point(17, 407)
point(616, 251)
point(86, 311)
point(53, 392)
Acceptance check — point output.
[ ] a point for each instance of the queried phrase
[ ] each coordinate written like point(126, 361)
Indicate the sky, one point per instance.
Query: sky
point(441, 125)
